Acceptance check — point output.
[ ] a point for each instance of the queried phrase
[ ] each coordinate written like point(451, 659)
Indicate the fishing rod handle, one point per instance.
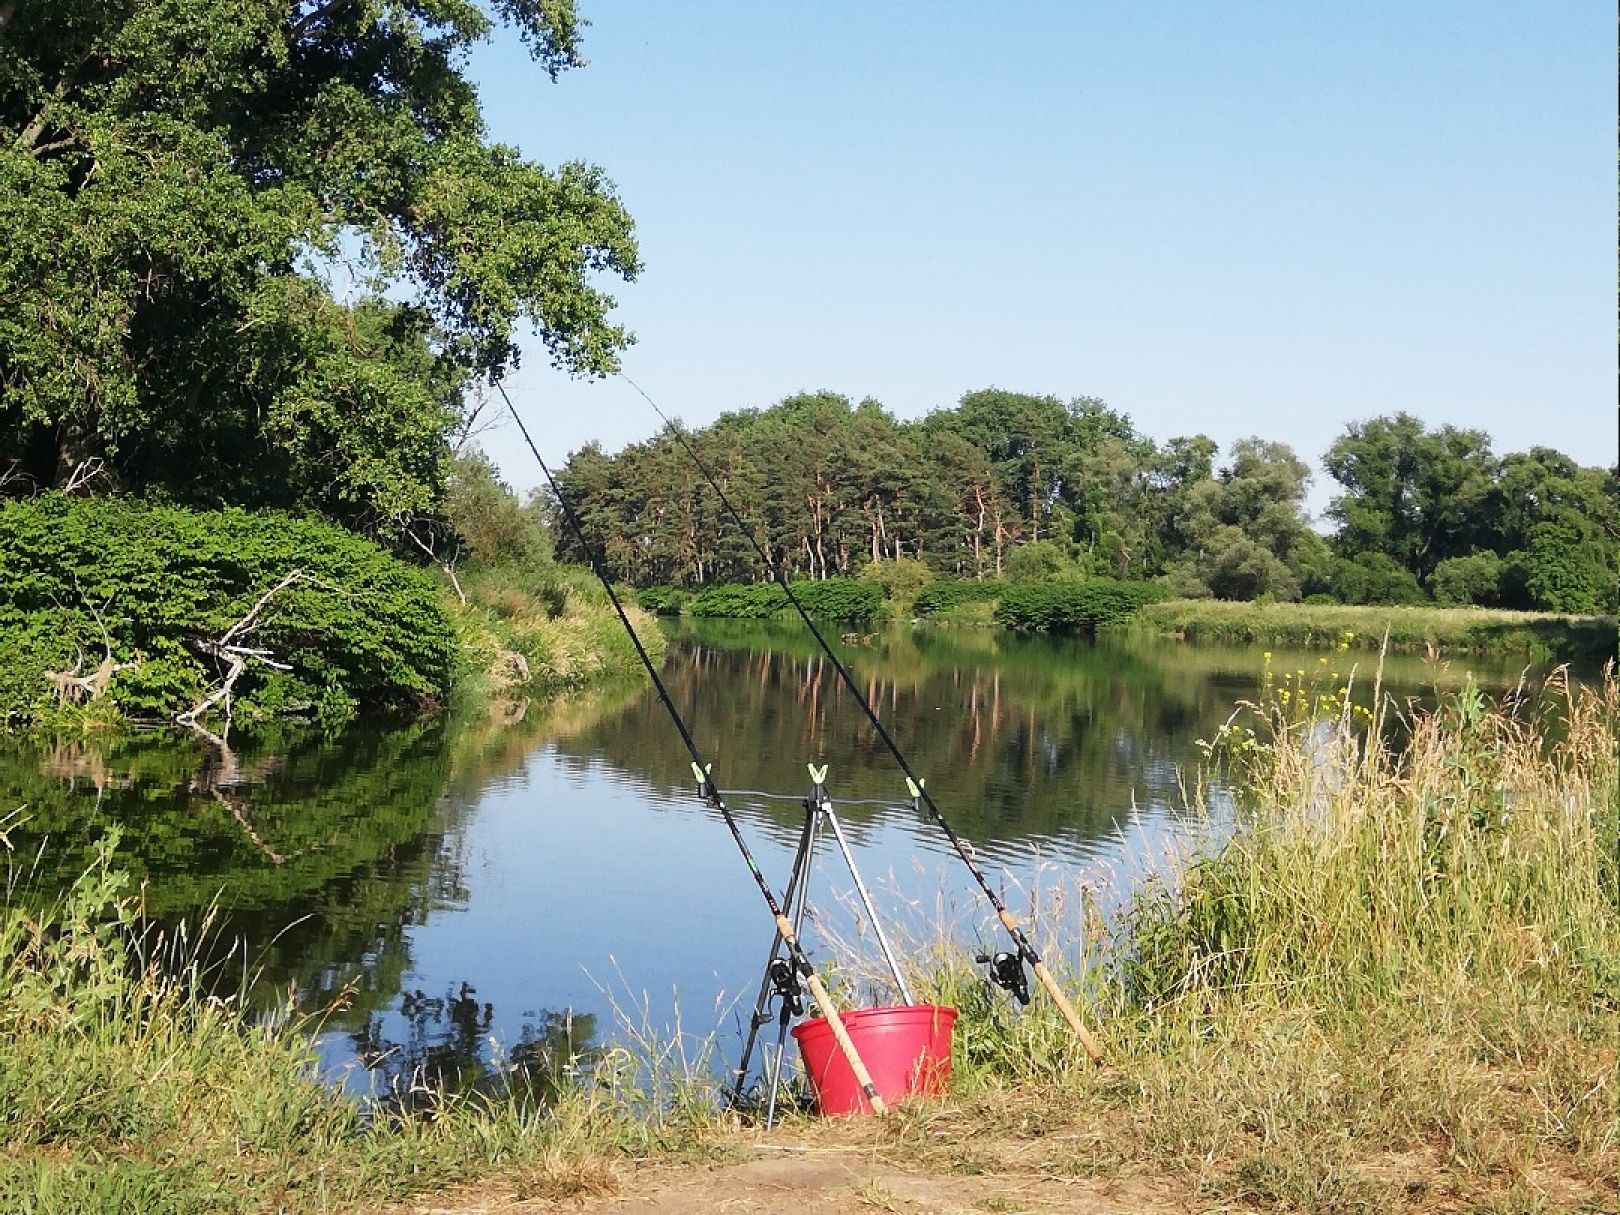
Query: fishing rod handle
point(1069, 1014)
point(1065, 1006)
point(846, 1045)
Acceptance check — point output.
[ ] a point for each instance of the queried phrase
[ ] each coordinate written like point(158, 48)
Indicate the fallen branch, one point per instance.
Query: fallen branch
point(236, 657)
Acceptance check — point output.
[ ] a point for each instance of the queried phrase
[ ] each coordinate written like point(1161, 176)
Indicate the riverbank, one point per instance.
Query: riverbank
point(1098, 604)
point(1393, 988)
point(116, 612)
point(1438, 630)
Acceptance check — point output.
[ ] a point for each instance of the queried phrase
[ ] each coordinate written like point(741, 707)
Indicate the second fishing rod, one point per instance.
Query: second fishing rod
point(703, 771)
point(1009, 976)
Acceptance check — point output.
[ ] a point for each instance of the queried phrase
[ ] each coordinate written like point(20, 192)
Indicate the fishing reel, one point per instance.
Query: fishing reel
point(785, 980)
point(1007, 972)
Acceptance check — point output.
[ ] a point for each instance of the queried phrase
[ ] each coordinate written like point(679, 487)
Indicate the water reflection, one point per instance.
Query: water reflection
point(475, 891)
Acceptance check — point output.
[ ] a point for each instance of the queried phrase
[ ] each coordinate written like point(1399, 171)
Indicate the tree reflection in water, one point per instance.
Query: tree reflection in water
point(445, 1046)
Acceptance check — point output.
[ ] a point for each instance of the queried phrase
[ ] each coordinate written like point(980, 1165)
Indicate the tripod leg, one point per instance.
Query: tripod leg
point(866, 901)
point(759, 1018)
point(801, 875)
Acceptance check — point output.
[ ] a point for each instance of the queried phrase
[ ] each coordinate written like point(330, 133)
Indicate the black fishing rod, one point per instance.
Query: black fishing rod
point(708, 790)
point(1006, 971)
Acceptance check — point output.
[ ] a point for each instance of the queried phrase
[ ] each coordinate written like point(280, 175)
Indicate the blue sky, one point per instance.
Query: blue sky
point(1242, 218)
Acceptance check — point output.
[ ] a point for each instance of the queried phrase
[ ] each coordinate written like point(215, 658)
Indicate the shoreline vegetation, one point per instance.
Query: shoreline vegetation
point(115, 611)
point(1092, 604)
point(1393, 986)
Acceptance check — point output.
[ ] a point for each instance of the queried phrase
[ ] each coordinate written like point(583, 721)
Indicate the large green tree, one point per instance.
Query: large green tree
point(1414, 495)
point(255, 248)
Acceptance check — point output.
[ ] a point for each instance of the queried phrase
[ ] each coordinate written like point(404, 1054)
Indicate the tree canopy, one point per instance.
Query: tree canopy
point(1034, 488)
point(255, 248)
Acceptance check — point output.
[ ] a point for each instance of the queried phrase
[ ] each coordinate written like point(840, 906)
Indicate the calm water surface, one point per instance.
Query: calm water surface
point(491, 885)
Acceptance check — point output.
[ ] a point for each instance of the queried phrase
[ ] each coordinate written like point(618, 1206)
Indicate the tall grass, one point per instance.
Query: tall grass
point(128, 1083)
point(1394, 982)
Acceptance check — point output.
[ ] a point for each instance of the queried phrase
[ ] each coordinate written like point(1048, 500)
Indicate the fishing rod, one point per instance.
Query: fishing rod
point(806, 973)
point(1006, 969)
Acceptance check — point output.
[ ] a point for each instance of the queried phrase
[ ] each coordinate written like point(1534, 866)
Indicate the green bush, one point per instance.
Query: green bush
point(151, 588)
point(900, 577)
point(1040, 561)
point(1074, 606)
point(947, 593)
point(739, 601)
point(845, 599)
point(663, 600)
point(1474, 579)
point(1373, 578)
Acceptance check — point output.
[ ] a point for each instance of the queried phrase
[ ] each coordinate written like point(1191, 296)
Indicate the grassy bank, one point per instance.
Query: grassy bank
point(1394, 986)
point(128, 1085)
point(1411, 629)
point(1083, 606)
point(1397, 987)
point(541, 631)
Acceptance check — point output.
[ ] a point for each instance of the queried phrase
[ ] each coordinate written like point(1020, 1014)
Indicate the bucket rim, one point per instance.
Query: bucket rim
point(935, 1012)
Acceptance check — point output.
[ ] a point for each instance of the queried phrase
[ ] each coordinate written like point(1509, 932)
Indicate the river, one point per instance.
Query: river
point(531, 882)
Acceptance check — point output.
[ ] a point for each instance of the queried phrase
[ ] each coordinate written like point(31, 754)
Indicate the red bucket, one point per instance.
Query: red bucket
point(906, 1047)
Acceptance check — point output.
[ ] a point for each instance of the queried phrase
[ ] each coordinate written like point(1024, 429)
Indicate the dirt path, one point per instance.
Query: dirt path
point(825, 1180)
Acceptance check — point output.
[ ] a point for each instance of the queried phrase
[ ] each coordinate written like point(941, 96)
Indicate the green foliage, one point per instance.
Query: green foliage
point(191, 187)
point(1408, 629)
point(946, 593)
point(494, 528)
point(849, 600)
point(899, 578)
point(1563, 571)
point(1064, 607)
point(1039, 561)
point(663, 600)
point(1476, 579)
point(1372, 578)
point(739, 601)
point(154, 589)
point(1421, 501)
point(1034, 489)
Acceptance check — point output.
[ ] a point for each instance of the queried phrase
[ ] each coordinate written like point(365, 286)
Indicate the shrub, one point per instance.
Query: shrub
point(946, 593)
point(739, 600)
point(845, 599)
point(152, 589)
point(1373, 578)
point(663, 600)
point(1474, 579)
point(1074, 607)
point(1039, 561)
point(900, 577)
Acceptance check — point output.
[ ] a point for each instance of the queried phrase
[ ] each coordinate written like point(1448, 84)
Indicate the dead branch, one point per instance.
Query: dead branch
point(84, 472)
point(73, 688)
point(484, 415)
point(448, 565)
point(236, 657)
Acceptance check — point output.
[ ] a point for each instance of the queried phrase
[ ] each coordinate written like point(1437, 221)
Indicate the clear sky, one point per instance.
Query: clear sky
point(1238, 218)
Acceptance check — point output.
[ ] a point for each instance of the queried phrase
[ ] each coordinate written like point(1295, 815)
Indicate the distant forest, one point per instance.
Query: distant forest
point(1034, 488)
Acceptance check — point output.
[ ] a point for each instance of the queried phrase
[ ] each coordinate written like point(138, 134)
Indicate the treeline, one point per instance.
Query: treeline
point(1032, 488)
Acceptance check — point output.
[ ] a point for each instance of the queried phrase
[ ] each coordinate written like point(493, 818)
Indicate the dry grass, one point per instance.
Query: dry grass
point(1397, 986)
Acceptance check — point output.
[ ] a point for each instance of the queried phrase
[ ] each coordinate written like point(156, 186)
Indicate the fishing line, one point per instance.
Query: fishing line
point(706, 785)
point(914, 783)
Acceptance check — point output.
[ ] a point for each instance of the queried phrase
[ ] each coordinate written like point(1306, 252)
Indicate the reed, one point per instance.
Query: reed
point(1393, 982)
point(128, 1082)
